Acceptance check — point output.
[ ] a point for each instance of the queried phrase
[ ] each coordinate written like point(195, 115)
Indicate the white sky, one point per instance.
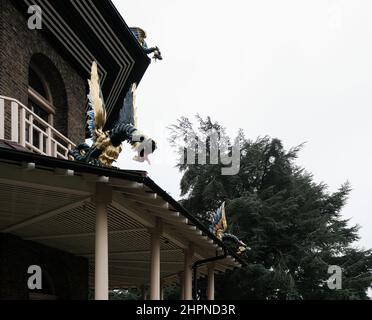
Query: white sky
point(297, 70)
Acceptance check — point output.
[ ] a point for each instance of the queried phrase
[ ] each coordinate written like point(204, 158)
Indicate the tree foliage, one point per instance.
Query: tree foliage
point(292, 224)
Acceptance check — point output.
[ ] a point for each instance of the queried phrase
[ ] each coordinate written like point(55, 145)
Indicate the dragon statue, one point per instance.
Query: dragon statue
point(218, 226)
point(106, 145)
point(141, 35)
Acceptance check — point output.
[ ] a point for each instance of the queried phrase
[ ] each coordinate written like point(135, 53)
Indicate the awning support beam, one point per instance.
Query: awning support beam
point(46, 215)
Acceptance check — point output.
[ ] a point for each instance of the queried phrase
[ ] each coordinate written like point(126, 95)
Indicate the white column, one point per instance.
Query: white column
point(103, 195)
point(210, 290)
point(188, 255)
point(155, 261)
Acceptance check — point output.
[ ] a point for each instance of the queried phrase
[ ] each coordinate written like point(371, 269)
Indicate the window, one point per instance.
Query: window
point(41, 104)
point(37, 84)
point(47, 92)
point(39, 97)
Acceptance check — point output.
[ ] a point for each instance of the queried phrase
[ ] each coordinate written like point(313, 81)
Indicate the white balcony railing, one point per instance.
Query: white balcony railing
point(30, 131)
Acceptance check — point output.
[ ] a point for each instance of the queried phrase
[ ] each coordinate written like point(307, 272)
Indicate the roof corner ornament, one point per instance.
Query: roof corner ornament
point(141, 35)
point(106, 145)
point(218, 226)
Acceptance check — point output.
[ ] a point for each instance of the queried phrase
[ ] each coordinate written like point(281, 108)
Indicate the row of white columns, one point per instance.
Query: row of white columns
point(103, 197)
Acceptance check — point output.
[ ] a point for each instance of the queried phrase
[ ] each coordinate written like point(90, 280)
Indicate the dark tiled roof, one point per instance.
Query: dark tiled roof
point(12, 145)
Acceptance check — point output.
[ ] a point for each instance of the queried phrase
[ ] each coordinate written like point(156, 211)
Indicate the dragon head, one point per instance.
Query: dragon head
point(144, 147)
point(157, 54)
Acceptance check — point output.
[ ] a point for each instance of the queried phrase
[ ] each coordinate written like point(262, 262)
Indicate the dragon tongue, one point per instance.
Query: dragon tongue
point(146, 158)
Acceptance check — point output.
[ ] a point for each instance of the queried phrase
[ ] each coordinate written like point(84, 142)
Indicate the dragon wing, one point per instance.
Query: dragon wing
point(96, 111)
point(128, 112)
point(223, 218)
point(219, 221)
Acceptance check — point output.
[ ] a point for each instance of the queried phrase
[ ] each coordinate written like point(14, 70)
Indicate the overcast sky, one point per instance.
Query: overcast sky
point(297, 70)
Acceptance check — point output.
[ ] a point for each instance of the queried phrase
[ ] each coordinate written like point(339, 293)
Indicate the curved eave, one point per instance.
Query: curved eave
point(83, 31)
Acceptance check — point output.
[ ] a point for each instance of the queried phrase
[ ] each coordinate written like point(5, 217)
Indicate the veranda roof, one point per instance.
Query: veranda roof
point(51, 201)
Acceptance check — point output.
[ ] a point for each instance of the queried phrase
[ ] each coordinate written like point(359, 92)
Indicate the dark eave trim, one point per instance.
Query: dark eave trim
point(44, 161)
point(175, 204)
point(124, 24)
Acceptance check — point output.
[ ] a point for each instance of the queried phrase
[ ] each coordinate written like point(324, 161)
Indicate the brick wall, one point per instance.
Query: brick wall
point(67, 273)
point(18, 45)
